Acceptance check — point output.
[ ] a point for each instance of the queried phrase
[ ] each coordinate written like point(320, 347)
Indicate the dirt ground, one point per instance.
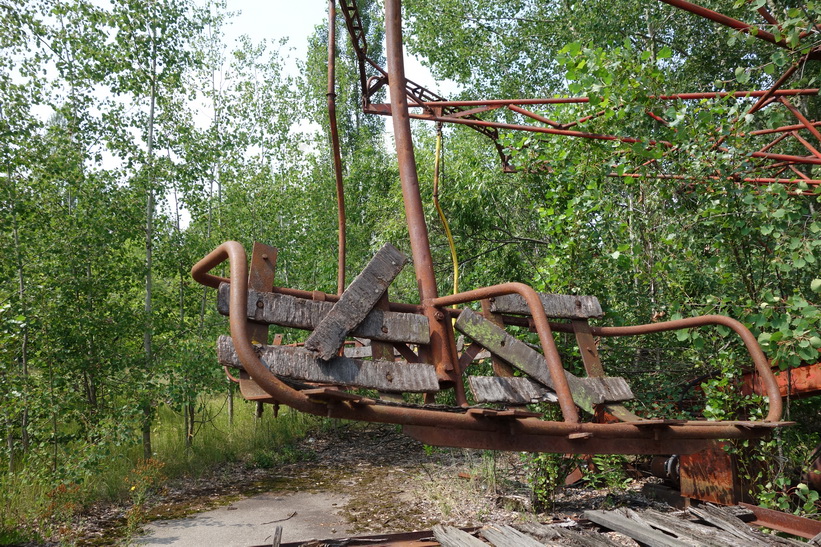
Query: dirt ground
point(393, 484)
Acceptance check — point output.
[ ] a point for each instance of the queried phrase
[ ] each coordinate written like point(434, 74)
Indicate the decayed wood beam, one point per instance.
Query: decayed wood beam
point(301, 364)
point(558, 306)
point(299, 313)
point(356, 302)
point(586, 391)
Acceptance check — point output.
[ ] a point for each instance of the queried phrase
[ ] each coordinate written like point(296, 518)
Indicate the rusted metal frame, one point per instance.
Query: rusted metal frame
point(782, 129)
point(760, 362)
point(784, 522)
point(337, 155)
point(775, 141)
point(801, 118)
point(353, 22)
point(667, 97)
point(233, 252)
point(803, 176)
point(806, 144)
point(753, 180)
point(547, 130)
point(539, 118)
point(725, 20)
point(551, 352)
point(442, 350)
point(775, 87)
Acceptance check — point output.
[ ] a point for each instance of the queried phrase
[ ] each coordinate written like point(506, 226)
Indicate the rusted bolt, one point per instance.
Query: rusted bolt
point(439, 316)
point(264, 256)
point(385, 329)
point(260, 304)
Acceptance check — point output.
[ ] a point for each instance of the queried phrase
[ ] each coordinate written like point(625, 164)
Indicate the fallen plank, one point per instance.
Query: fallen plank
point(620, 523)
point(722, 518)
point(690, 531)
point(301, 364)
point(558, 306)
point(300, 313)
point(507, 536)
point(448, 536)
point(356, 302)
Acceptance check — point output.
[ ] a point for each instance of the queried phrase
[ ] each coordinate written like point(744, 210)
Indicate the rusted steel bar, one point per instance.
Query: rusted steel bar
point(784, 522)
point(753, 180)
point(551, 352)
point(532, 129)
point(442, 351)
point(775, 141)
point(760, 362)
point(774, 90)
point(725, 20)
point(806, 144)
point(782, 129)
point(583, 100)
point(340, 189)
point(807, 124)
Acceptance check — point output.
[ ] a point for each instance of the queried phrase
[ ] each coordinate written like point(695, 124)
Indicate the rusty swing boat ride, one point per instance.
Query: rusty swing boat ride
point(413, 347)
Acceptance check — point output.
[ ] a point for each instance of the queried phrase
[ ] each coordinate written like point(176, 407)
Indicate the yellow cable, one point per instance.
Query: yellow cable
point(441, 212)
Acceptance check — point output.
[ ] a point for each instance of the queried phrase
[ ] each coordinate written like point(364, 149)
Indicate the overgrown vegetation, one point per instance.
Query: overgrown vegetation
point(161, 141)
point(35, 504)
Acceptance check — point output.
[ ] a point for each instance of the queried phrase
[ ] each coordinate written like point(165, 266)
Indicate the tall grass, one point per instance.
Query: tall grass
point(37, 500)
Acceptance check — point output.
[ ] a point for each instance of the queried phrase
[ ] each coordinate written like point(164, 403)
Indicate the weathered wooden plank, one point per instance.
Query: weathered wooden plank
point(356, 302)
point(722, 518)
point(586, 393)
point(559, 306)
point(516, 391)
point(448, 536)
point(560, 536)
point(507, 536)
point(620, 523)
point(301, 364)
point(690, 531)
point(299, 313)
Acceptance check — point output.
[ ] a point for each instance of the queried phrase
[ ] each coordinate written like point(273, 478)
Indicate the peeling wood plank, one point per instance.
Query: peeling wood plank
point(448, 536)
point(301, 364)
point(689, 531)
point(300, 313)
point(516, 390)
point(620, 523)
point(356, 302)
point(507, 536)
point(559, 306)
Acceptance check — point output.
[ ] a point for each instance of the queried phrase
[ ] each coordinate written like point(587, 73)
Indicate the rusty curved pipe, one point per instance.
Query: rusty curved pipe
point(762, 365)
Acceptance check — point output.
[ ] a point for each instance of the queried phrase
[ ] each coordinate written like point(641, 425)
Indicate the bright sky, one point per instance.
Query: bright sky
point(275, 19)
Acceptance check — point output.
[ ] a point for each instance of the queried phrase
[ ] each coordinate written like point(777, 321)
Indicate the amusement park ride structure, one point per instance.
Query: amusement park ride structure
point(413, 347)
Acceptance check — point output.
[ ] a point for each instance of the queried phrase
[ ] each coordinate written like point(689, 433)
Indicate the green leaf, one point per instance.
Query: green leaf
point(815, 285)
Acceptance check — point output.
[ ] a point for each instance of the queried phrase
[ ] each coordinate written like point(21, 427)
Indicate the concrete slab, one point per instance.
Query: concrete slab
point(252, 521)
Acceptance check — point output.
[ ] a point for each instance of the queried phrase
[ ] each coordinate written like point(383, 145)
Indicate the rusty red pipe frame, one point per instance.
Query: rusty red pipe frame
point(725, 20)
point(762, 366)
point(442, 348)
point(340, 188)
point(235, 254)
point(551, 352)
